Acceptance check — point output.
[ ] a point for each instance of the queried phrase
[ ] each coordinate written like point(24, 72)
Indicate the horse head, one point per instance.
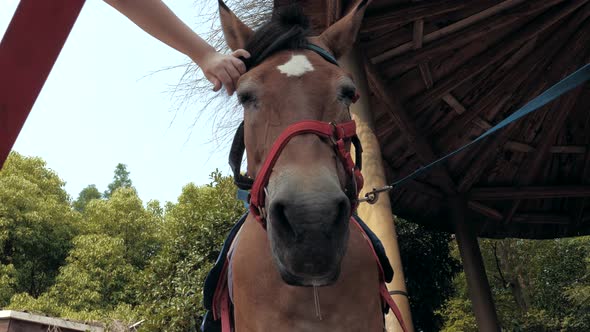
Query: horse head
point(295, 97)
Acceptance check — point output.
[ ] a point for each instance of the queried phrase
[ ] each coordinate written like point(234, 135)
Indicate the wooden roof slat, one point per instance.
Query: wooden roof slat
point(415, 185)
point(448, 30)
point(526, 148)
point(418, 34)
point(585, 179)
point(509, 83)
point(570, 149)
point(511, 193)
point(406, 125)
point(396, 18)
point(492, 98)
point(478, 64)
point(512, 211)
point(485, 210)
point(424, 188)
point(530, 88)
point(534, 218)
point(454, 103)
point(481, 123)
point(560, 109)
point(426, 74)
point(530, 172)
point(518, 147)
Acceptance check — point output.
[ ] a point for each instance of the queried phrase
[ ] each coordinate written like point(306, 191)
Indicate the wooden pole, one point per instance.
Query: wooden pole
point(379, 216)
point(477, 281)
point(28, 50)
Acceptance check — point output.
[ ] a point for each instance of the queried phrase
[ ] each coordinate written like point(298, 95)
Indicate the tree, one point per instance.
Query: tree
point(429, 270)
point(170, 289)
point(536, 285)
point(578, 293)
point(93, 285)
point(123, 216)
point(7, 283)
point(86, 195)
point(36, 223)
point(120, 180)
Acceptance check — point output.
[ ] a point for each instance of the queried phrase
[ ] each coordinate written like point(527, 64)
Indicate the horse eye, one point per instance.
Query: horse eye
point(347, 93)
point(245, 97)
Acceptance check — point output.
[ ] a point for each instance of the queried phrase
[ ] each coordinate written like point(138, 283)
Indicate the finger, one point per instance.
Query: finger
point(239, 65)
point(234, 74)
point(216, 83)
point(241, 53)
point(227, 82)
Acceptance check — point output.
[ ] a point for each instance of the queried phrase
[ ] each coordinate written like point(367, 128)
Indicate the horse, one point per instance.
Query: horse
point(299, 261)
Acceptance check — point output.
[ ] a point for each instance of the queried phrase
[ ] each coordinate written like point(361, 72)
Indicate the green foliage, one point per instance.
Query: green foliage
point(171, 286)
point(125, 262)
point(7, 283)
point(120, 180)
point(36, 223)
point(429, 269)
point(96, 275)
point(457, 311)
point(536, 285)
point(118, 261)
point(95, 280)
point(123, 216)
point(86, 195)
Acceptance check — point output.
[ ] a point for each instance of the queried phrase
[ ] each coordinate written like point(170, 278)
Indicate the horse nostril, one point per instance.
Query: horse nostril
point(278, 216)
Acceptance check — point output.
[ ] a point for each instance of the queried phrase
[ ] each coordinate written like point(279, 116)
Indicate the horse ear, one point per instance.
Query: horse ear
point(340, 36)
point(236, 33)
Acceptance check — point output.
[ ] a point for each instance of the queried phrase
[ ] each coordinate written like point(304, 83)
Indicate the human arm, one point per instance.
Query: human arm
point(154, 17)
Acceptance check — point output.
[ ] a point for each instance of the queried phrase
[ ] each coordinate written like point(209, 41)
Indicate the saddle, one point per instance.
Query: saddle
point(219, 316)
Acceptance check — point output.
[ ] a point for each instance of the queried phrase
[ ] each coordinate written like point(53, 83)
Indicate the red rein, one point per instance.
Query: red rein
point(339, 134)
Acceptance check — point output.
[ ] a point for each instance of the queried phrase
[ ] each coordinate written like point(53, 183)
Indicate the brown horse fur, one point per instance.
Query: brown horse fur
point(309, 240)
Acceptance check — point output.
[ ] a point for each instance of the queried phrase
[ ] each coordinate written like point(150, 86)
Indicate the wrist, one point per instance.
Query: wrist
point(200, 56)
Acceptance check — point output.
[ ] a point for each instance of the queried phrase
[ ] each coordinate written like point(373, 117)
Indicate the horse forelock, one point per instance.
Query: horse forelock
point(288, 29)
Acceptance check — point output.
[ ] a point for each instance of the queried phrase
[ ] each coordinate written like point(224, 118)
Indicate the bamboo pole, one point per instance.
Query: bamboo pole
point(379, 217)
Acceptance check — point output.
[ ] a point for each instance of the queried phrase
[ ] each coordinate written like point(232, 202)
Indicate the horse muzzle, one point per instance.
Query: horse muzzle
point(308, 234)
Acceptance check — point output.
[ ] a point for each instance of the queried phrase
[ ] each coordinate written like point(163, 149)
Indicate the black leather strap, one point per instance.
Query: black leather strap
point(323, 53)
point(358, 152)
point(235, 159)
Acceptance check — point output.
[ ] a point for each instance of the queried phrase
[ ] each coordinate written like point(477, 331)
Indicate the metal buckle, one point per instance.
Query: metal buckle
point(261, 209)
point(261, 212)
point(333, 136)
point(372, 197)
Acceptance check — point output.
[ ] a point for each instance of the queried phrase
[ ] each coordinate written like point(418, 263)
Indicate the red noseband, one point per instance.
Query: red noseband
point(340, 135)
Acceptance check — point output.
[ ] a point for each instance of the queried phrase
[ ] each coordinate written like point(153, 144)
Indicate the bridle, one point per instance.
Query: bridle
point(340, 136)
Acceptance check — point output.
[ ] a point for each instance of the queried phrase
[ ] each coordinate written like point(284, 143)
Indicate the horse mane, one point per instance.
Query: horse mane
point(288, 29)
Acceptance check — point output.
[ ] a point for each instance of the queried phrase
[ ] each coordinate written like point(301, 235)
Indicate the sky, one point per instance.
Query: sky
point(107, 101)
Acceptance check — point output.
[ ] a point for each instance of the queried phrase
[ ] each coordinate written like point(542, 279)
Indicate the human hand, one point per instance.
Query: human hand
point(224, 70)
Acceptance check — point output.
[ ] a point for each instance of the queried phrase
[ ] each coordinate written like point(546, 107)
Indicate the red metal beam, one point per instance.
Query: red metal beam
point(30, 46)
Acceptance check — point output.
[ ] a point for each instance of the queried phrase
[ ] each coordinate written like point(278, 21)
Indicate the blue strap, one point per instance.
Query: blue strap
point(572, 81)
point(244, 196)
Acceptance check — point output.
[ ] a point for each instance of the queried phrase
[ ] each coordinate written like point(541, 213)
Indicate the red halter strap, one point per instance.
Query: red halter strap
point(340, 136)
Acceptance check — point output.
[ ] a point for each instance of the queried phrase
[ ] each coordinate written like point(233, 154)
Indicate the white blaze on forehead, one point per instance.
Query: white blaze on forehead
point(296, 66)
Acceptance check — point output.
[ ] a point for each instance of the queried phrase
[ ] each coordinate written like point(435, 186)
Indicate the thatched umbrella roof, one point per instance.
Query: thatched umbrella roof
point(441, 72)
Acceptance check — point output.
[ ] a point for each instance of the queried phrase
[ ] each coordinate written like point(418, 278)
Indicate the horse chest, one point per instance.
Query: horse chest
point(263, 302)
